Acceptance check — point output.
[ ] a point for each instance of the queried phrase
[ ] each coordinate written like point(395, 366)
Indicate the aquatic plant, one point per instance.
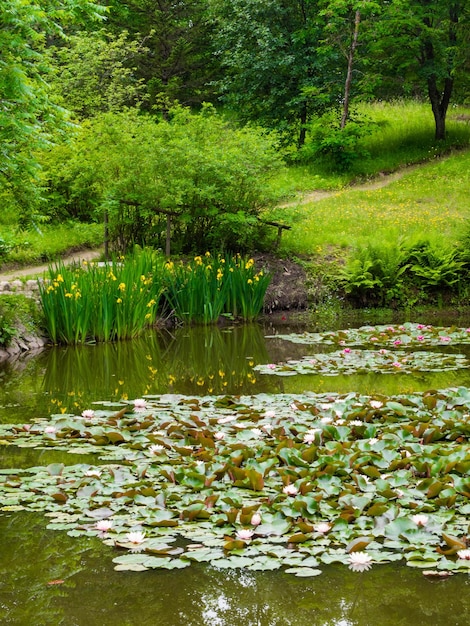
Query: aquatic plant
point(207, 287)
point(102, 302)
point(385, 479)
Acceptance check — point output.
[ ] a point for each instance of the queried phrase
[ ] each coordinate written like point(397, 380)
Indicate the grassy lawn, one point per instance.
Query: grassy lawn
point(48, 243)
point(431, 200)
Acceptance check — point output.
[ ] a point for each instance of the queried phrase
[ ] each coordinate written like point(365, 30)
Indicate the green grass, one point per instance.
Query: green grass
point(48, 243)
point(430, 200)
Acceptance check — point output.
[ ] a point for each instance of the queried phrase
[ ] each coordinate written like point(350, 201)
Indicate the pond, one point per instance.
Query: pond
point(50, 577)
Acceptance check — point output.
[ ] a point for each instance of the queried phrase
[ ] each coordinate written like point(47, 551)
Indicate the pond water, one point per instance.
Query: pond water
point(48, 577)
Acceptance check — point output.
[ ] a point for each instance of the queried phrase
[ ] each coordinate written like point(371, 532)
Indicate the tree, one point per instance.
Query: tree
point(426, 41)
point(28, 114)
point(272, 72)
point(176, 63)
point(96, 72)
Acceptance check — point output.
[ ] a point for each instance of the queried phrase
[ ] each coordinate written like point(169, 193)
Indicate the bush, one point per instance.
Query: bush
point(340, 147)
point(206, 175)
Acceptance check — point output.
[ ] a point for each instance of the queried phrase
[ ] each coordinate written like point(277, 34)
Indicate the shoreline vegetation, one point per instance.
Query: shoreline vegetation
point(391, 234)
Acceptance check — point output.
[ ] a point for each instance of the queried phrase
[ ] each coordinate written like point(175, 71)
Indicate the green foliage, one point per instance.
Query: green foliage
point(174, 57)
point(29, 117)
point(435, 268)
point(394, 275)
point(210, 286)
point(195, 167)
point(374, 275)
point(95, 72)
point(118, 300)
point(339, 147)
point(17, 310)
point(102, 302)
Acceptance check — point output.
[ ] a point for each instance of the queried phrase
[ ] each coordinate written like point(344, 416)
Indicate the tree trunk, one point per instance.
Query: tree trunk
point(440, 104)
point(303, 122)
point(347, 85)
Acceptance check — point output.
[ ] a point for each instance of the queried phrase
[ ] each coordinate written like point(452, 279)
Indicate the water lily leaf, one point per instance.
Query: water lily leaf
point(59, 496)
point(234, 544)
point(454, 544)
point(232, 562)
point(55, 469)
point(99, 513)
point(304, 572)
point(130, 567)
point(357, 545)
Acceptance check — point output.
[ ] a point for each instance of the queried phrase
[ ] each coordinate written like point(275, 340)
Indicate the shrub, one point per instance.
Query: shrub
point(207, 175)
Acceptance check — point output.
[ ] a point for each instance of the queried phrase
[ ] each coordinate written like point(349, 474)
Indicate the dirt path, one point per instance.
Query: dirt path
point(314, 196)
point(382, 181)
point(76, 257)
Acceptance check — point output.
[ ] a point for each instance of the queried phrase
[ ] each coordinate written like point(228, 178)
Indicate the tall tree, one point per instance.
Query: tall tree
point(176, 63)
point(28, 115)
point(426, 42)
point(268, 49)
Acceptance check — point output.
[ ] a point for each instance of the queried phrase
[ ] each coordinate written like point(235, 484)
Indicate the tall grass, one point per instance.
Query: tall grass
point(102, 302)
point(209, 286)
point(118, 300)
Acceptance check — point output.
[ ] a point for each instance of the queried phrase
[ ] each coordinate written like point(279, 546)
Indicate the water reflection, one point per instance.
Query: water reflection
point(93, 594)
point(195, 361)
point(190, 361)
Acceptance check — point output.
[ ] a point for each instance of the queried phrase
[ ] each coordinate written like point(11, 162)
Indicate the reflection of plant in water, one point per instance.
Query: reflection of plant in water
point(194, 360)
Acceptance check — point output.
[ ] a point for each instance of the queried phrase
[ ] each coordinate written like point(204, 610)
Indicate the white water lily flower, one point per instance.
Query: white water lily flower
point(140, 403)
point(219, 435)
point(88, 414)
point(376, 404)
point(93, 472)
point(255, 519)
point(135, 536)
point(322, 527)
point(270, 414)
point(420, 519)
point(156, 448)
point(464, 555)
point(290, 490)
point(360, 561)
point(104, 525)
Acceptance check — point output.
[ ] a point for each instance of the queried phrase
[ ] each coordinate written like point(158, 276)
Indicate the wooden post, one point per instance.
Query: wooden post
point(168, 234)
point(106, 236)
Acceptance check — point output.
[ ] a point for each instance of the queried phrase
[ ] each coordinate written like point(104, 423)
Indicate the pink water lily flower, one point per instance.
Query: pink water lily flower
point(464, 555)
point(255, 519)
point(271, 366)
point(245, 534)
point(104, 525)
point(420, 519)
point(50, 430)
point(140, 403)
point(88, 413)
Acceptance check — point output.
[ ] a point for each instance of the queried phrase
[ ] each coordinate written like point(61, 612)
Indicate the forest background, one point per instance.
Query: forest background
point(200, 120)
